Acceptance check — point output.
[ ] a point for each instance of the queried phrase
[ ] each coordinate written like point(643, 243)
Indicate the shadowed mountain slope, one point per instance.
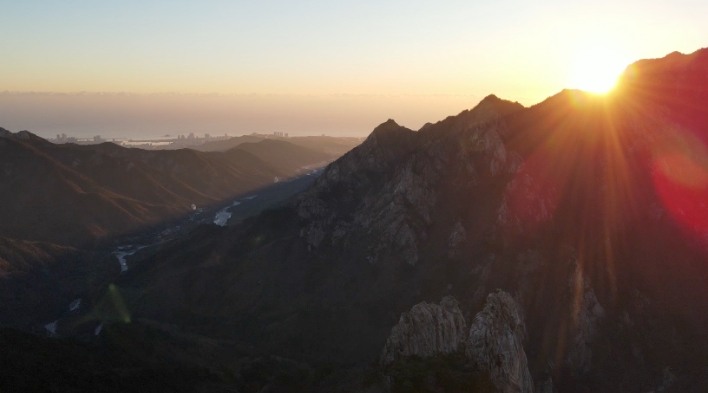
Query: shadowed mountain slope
point(284, 156)
point(229, 143)
point(75, 195)
point(378, 203)
point(332, 146)
point(18, 256)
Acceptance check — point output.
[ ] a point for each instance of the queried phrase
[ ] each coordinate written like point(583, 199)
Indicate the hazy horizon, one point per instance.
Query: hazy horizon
point(124, 115)
point(338, 68)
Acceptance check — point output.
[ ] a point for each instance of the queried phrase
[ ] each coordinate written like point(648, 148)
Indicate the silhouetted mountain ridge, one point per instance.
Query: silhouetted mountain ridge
point(332, 146)
point(75, 195)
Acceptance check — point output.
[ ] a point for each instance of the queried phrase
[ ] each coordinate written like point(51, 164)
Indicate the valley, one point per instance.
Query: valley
point(58, 277)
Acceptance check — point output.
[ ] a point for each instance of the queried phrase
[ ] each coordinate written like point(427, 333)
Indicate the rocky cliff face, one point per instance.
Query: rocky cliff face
point(426, 330)
point(494, 343)
point(587, 314)
point(389, 187)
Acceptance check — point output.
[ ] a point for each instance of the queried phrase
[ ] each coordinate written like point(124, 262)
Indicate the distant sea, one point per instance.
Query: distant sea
point(152, 116)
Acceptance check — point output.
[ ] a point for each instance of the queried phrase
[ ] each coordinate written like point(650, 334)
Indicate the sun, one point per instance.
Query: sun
point(597, 70)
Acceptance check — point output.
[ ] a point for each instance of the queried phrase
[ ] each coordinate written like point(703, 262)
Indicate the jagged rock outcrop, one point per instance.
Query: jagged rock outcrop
point(426, 330)
point(495, 344)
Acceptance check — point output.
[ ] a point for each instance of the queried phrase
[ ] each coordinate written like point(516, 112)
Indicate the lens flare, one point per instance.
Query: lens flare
point(680, 176)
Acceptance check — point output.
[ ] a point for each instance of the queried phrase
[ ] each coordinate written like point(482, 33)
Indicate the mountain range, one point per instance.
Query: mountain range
point(68, 208)
point(560, 247)
point(78, 195)
point(334, 146)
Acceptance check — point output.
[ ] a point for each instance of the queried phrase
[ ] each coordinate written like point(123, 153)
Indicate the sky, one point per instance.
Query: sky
point(310, 67)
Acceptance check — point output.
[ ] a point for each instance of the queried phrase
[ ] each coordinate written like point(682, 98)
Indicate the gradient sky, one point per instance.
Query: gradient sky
point(441, 55)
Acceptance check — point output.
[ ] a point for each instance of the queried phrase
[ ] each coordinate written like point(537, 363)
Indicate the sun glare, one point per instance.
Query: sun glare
point(597, 71)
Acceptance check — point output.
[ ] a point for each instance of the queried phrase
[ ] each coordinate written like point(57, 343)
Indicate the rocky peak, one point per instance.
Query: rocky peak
point(495, 344)
point(426, 330)
point(384, 146)
point(391, 181)
point(501, 106)
point(490, 109)
point(389, 125)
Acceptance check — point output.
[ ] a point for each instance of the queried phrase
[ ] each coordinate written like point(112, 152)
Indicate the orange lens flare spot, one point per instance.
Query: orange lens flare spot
point(683, 171)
